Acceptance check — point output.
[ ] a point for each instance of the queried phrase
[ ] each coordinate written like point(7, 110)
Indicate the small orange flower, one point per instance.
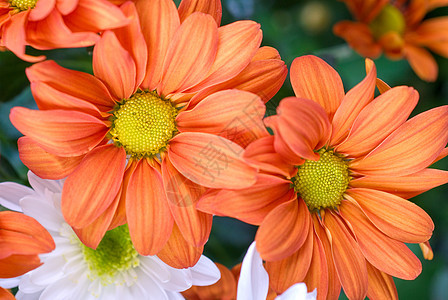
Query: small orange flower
point(141, 139)
point(330, 198)
point(22, 239)
point(50, 24)
point(397, 28)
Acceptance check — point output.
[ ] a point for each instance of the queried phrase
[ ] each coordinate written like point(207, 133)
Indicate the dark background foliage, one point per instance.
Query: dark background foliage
point(295, 28)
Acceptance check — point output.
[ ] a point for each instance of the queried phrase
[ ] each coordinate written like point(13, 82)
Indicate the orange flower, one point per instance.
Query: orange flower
point(397, 28)
point(141, 139)
point(331, 195)
point(45, 24)
point(22, 240)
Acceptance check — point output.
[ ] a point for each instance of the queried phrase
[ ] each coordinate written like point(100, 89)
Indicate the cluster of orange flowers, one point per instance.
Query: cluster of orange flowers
point(170, 130)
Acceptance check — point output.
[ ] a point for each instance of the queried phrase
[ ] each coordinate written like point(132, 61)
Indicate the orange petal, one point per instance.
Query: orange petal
point(43, 8)
point(210, 161)
point(378, 119)
point(422, 62)
point(178, 253)
point(16, 265)
point(317, 276)
point(250, 205)
point(431, 33)
point(292, 269)
point(306, 135)
point(396, 217)
point(182, 195)
point(77, 84)
point(238, 43)
point(381, 285)
point(115, 66)
point(211, 7)
point(348, 259)
point(428, 254)
point(159, 22)
point(410, 148)
point(93, 186)
point(232, 114)
point(386, 254)
point(404, 186)
point(266, 52)
point(65, 7)
point(6, 295)
point(44, 164)
point(22, 235)
point(147, 211)
point(314, 79)
point(284, 230)
point(352, 104)
point(60, 132)
point(263, 156)
point(432, 4)
point(190, 55)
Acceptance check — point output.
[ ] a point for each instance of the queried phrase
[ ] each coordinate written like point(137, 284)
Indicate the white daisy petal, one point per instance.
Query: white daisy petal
point(11, 193)
point(39, 185)
point(297, 291)
point(8, 283)
point(205, 272)
point(42, 211)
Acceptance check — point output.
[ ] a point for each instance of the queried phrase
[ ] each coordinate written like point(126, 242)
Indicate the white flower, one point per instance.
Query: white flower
point(254, 281)
point(113, 271)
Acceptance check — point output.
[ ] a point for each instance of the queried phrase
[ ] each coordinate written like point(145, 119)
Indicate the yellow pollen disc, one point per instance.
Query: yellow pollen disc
point(389, 19)
point(21, 5)
point(322, 183)
point(143, 124)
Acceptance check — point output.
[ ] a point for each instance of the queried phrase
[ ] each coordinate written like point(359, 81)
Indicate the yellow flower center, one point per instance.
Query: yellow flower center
point(143, 124)
point(322, 183)
point(21, 5)
point(115, 254)
point(389, 19)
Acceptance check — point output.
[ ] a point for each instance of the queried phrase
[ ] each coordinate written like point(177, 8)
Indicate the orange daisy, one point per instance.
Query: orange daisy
point(142, 138)
point(397, 28)
point(22, 240)
point(330, 198)
point(50, 24)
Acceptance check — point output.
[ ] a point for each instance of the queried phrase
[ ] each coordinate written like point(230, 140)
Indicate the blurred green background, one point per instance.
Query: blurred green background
point(294, 28)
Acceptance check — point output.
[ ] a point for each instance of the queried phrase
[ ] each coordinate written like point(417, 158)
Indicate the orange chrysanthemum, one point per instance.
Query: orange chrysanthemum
point(397, 28)
point(22, 240)
point(330, 198)
point(141, 139)
point(50, 24)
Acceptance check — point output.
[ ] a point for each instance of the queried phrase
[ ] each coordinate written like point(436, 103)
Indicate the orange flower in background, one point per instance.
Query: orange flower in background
point(397, 28)
point(330, 198)
point(49, 24)
point(22, 240)
point(142, 139)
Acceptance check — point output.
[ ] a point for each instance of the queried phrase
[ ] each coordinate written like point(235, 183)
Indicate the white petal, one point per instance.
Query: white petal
point(205, 272)
point(174, 296)
point(297, 291)
point(39, 184)
point(154, 266)
point(8, 283)
point(11, 193)
point(254, 280)
point(62, 289)
point(150, 288)
point(43, 212)
point(180, 280)
point(48, 273)
point(23, 296)
point(27, 286)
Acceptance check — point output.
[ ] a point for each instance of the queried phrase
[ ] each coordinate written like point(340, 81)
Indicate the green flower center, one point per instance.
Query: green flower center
point(389, 19)
point(22, 5)
point(115, 254)
point(143, 124)
point(322, 183)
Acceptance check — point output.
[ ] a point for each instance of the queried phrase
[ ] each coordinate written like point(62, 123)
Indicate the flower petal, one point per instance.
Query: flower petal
point(396, 217)
point(408, 149)
point(378, 119)
point(44, 164)
point(182, 195)
point(60, 132)
point(266, 52)
point(283, 230)
point(381, 285)
point(292, 269)
point(211, 7)
point(314, 79)
point(348, 259)
point(352, 104)
point(115, 66)
point(386, 254)
point(317, 276)
point(147, 211)
point(427, 252)
point(232, 114)
point(210, 161)
point(6, 295)
point(16, 265)
point(250, 205)
point(178, 253)
point(422, 62)
point(43, 8)
point(93, 186)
